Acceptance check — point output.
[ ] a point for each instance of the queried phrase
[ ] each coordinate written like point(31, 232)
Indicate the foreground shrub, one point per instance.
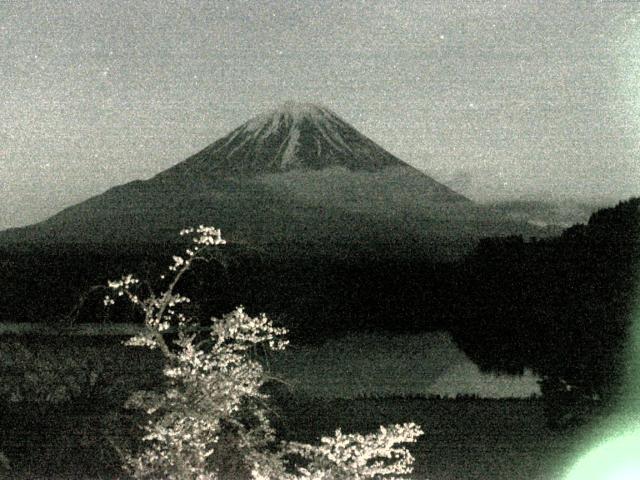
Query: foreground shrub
point(209, 420)
point(55, 372)
point(40, 377)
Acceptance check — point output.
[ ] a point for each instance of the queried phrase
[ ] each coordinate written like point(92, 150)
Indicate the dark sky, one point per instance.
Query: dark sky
point(506, 98)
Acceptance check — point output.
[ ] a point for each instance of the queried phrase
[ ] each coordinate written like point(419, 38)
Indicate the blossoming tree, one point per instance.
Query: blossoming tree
point(209, 421)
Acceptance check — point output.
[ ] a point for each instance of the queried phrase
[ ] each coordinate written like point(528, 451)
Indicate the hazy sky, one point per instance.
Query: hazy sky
point(506, 98)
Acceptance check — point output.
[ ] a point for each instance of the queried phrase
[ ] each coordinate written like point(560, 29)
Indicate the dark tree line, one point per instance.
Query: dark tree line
point(315, 296)
point(562, 307)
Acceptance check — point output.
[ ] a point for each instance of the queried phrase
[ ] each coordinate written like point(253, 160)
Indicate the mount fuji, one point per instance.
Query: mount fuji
point(297, 175)
point(296, 136)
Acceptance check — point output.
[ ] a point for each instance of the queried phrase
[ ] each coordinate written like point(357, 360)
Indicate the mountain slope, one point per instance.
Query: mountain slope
point(296, 175)
point(293, 136)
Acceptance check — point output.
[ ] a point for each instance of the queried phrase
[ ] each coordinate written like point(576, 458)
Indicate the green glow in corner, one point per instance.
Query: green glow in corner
point(617, 459)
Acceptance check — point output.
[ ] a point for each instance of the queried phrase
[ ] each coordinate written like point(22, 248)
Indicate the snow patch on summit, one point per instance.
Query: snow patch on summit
point(293, 136)
point(271, 129)
point(297, 111)
point(292, 111)
point(289, 154)
point(289, 117)
point(334, 139)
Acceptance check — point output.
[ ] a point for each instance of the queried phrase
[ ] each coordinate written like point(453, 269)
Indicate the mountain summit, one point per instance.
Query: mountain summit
point(293, 136)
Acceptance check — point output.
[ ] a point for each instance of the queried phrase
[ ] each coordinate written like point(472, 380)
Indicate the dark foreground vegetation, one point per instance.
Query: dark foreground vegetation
point(464, 439)
point(562, 307)
point(559, 306)
point(72, 434)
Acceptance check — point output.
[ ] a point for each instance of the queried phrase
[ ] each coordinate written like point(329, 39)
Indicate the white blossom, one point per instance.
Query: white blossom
point(212, 410)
